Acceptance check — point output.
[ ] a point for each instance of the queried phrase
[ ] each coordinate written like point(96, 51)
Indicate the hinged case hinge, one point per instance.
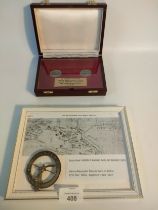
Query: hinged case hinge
point(92, 2)
point(46, 1)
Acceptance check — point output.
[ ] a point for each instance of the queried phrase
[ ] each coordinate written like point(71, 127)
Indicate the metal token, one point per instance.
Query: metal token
point(55, 73)
point(86, 72)
point(43, 169)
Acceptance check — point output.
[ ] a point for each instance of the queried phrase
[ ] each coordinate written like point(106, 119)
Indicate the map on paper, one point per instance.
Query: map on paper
point(74, 136)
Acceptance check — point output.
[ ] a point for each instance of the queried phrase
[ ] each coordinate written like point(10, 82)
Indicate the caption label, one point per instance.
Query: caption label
point(71, 195)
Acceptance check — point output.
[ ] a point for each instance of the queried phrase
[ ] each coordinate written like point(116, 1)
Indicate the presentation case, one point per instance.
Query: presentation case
point(69, 39)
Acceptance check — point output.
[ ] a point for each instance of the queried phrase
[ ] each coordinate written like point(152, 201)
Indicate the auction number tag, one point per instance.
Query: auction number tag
point(71, 195)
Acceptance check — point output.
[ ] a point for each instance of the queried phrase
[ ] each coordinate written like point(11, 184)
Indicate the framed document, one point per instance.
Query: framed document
point(87, 147)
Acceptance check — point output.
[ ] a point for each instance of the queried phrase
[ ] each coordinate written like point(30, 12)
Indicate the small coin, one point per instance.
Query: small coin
point(55, 73)
point(86, 72)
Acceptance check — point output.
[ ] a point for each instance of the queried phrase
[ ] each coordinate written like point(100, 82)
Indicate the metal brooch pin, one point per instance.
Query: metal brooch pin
point(43, 169)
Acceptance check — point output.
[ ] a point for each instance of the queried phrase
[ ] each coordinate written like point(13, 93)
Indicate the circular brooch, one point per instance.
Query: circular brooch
point(43, 169)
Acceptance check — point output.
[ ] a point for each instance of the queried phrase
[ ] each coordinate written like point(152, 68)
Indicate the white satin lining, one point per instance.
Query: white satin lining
point(69, 31)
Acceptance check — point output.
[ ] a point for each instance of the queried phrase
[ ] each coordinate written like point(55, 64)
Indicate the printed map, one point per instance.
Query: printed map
point(80, 136)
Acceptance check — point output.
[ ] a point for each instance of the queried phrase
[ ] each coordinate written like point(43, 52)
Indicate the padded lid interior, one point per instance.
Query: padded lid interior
point(69, 30)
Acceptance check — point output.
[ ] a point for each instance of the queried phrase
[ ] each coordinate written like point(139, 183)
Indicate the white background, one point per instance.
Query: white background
point(131, 65)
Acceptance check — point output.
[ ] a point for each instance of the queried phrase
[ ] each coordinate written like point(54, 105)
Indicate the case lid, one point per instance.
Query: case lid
point(64, 30)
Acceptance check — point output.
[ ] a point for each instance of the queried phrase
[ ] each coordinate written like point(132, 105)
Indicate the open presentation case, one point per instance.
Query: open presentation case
point(70, 41)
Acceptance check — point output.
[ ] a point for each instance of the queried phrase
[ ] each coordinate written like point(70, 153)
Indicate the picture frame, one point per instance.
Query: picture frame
point(93, 144)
